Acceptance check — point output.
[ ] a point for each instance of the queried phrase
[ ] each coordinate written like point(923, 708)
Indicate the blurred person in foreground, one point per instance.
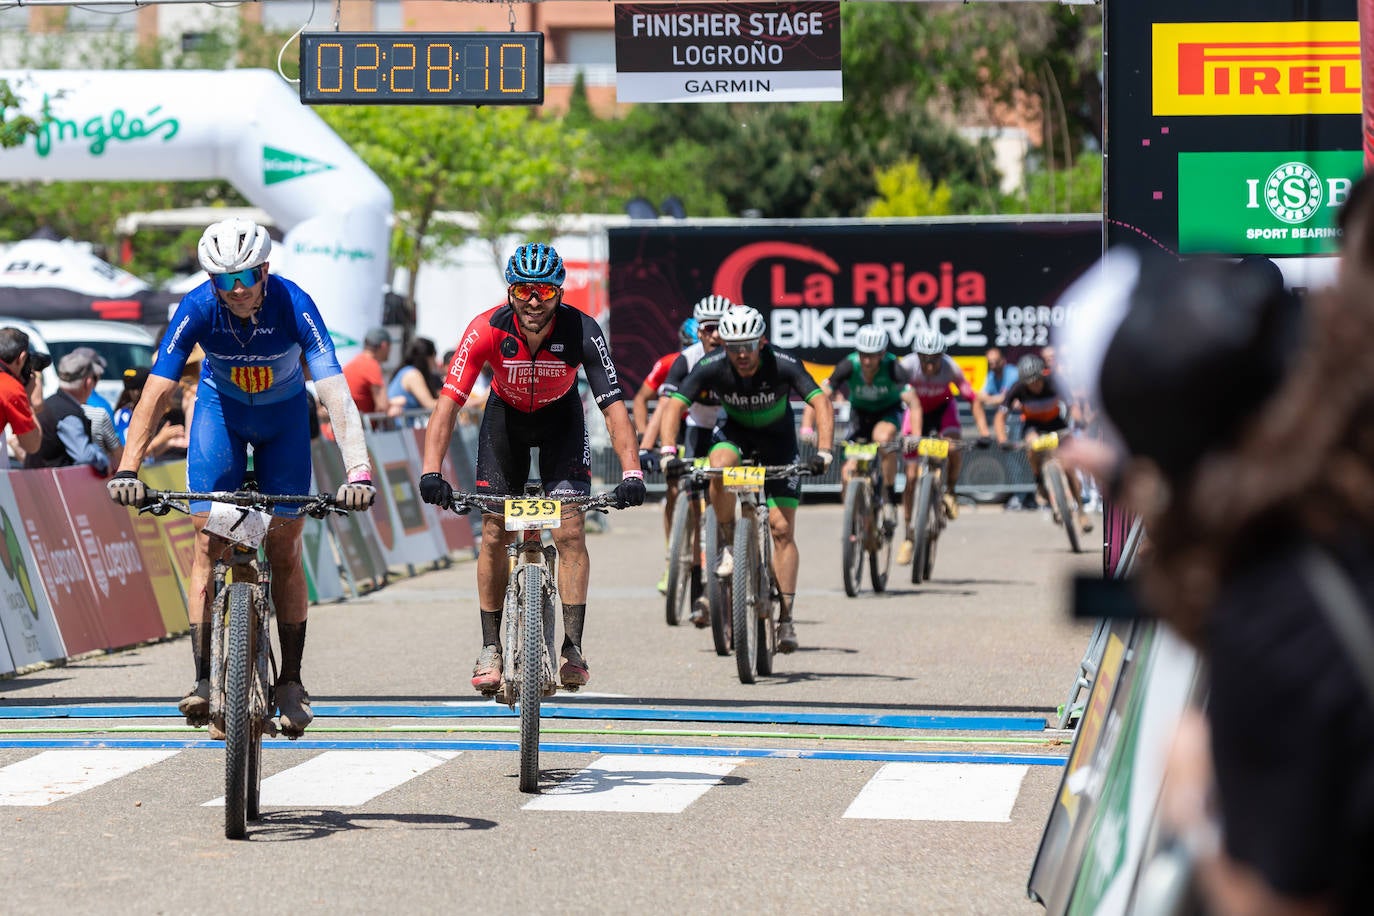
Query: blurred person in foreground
point(1245, 434)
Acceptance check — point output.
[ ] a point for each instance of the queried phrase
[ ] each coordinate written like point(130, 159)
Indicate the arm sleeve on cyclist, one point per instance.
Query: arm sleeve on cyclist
point(347, 423)
point(474, 351)
point(601, 375)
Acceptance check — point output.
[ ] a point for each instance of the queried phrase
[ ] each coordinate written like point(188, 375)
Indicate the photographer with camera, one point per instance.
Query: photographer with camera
point(18, 374)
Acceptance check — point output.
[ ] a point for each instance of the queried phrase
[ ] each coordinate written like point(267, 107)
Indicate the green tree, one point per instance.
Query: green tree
point(15, 125)
point(905, 190)
point(1074, 190)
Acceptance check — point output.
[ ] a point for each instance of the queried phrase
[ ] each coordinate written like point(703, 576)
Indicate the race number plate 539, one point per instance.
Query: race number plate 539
point(523, 514)
point(238, 524)
point(742, 478)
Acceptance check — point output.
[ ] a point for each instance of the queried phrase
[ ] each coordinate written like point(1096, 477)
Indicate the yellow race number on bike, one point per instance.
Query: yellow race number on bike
point(523, 514)
point(742, 478)
point(854, 451)
point(702, 462)
point(933, 448)
point(1045, 443)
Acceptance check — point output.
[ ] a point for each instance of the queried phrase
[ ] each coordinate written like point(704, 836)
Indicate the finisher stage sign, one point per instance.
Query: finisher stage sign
point(728, 52)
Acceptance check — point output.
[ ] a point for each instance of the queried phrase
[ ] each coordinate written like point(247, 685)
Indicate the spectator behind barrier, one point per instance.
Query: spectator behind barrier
point(1245, 428)
point(364, 374)
point(66, 429)
point(18, 377)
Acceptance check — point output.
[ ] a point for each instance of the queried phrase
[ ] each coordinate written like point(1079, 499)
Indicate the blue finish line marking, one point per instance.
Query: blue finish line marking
point(550, 711)
point(666, 750)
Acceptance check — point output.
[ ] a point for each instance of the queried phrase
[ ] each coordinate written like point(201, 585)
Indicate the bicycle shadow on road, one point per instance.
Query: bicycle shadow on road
point(585, 782)
point(289, 825)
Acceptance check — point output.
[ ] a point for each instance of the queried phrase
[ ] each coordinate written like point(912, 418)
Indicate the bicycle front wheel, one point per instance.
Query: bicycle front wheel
point(852, 552)
point(765, 612)
point(717, 591)
point(921, 521)
point(879, 560)
point(745, 596)
point(531, 654)
point(679, 558)
point(1058, 485)
point(238, 719)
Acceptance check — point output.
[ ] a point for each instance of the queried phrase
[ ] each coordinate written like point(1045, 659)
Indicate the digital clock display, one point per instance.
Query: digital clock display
point(422, 68)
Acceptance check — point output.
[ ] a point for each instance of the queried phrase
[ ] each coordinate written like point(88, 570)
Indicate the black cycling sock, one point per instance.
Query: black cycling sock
point(200, 650)
point(292, 636)
point(491, 627)
point(785, 606)
point(574, 615)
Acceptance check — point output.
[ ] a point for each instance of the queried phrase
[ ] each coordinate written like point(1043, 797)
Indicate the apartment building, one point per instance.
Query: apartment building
point(579, 36)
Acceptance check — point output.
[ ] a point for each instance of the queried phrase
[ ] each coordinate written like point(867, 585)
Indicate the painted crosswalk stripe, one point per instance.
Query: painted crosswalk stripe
point(53, 775)
point(345, 779)
point(940, 792)
point(642, 784)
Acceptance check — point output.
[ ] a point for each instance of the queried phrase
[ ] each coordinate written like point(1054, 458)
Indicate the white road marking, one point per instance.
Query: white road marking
point(53, 775)
point(940, 792)
point(639, 783)
point(345, 779)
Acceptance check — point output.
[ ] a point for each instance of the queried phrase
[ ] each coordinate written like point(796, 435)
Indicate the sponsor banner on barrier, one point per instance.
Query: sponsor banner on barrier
point(1280, 203)
point(980, 283)
point(398, 501)
point(357, 531)
point(124, 596)
point(178, 531)
point(728, 52)
point(1256, 68)
point(26, 617)
point(455, 533)
point(323, 579)
point(162, 576)
point(57, 555)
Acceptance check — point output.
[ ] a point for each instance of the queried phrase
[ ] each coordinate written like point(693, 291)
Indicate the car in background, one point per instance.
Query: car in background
point(124, 346)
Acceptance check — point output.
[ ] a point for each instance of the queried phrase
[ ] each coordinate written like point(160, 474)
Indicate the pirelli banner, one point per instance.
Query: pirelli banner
point(1232, 129)
point(981, 283)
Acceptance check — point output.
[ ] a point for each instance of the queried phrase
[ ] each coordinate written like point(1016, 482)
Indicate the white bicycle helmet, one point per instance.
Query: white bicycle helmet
point(233, 244)
point(711, 308)
point(928, 343)
point(870, 339)
point(740, 325)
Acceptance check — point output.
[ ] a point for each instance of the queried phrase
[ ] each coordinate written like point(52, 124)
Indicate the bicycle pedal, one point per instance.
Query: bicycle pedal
point(573, 688)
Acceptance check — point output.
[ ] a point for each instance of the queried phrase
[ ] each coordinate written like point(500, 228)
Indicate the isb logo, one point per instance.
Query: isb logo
point(1294, 192)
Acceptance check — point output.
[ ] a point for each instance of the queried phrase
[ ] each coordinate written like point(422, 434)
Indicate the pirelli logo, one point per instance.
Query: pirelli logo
point(252, 379)
point(1256, 68)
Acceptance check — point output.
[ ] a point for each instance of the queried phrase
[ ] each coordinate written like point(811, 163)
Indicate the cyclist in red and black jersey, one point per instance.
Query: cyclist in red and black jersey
point(535, 344)
point(1045, 408)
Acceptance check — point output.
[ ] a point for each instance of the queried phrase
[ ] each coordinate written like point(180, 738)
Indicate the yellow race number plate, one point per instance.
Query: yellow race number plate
point(857, 450)
point(1045, 443)
point(933, 448)
point(523, 514)
point(742, 478)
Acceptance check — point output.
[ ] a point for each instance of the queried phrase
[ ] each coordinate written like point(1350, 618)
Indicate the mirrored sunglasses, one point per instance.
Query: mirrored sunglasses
point(707, 329)
point(543, 292)
point(248, 278)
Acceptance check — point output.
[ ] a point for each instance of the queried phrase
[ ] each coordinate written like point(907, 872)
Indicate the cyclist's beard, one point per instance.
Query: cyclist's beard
point(543, 320)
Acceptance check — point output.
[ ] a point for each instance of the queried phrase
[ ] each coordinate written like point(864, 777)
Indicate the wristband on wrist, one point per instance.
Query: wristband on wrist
point(358, 475)
point(808, 430)
point(667, 451)
point(639, 475)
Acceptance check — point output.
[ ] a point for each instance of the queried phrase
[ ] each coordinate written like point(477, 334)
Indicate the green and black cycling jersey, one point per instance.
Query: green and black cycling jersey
point(880, 396)
point(757, 401)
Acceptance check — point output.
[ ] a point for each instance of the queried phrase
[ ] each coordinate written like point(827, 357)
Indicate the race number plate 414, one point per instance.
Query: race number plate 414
point(742, 478)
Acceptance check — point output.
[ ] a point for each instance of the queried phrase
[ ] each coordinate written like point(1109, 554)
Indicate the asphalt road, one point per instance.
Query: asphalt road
point(812, 803)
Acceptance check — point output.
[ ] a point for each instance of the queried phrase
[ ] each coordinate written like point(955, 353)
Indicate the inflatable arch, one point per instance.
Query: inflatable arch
point(245, 126)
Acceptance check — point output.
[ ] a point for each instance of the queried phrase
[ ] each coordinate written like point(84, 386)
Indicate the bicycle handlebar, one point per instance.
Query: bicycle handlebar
point(316, 505)
point(494, 503)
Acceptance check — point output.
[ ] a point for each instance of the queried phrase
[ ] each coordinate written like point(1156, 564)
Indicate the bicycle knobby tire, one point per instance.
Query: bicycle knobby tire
point(717, 589)
point(239, 726)
point(679, 558)
point(531, 673)
point(921, 522)
point(1058, 485)
point(746, 596)
point(852, 554)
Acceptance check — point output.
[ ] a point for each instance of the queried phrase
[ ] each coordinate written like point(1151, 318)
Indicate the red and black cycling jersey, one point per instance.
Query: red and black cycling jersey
point(1037, 409)
point(528, 381)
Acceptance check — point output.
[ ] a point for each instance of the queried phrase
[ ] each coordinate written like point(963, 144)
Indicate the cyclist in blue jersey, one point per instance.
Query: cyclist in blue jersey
point(254, 328)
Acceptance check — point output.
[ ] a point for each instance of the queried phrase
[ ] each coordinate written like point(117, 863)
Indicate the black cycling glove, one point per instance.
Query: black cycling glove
point(435, 490)
point(648, 461)
point(630, 492)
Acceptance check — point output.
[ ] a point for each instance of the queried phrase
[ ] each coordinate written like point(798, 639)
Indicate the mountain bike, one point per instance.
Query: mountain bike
point(243, 668)
point(1062, 501)
point(530, 604)
point(686, 557)
point(869, 520)
point(755, 595)
point(929, 515)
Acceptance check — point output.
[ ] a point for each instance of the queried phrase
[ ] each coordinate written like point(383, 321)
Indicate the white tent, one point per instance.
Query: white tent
point(48, 279)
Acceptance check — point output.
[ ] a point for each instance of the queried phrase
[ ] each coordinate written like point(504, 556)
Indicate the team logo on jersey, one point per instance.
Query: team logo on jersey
point(509, 347)
point(252, 379)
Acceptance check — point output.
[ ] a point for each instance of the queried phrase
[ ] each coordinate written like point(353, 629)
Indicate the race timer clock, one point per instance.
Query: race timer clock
point(422, 68)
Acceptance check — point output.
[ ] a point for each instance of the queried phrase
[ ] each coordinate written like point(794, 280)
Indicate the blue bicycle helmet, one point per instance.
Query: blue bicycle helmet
point(535, 263)
point(687, 332)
